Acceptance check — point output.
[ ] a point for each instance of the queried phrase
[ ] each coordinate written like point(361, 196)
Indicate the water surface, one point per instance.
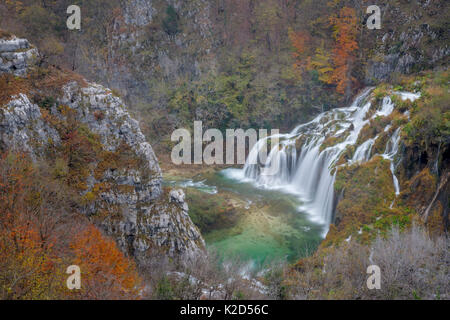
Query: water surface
point(271, 224)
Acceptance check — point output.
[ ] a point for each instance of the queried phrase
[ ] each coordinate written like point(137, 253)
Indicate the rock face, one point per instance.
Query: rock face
point(139, 12)
point(148, 217)
point(15, 130)
point(140, 215)
point(412, 44)
point(16, 55)
point(150, 51)
point(114, 127)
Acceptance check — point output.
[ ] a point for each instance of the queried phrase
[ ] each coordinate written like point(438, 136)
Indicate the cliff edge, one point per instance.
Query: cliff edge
point(86, 133)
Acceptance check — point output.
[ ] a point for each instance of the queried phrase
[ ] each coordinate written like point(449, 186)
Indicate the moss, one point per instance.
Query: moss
point(367, 189)
point(385, 223)
point(420, 189)
point(379, 145)
point(211, 213)
point(430, 116)
point(331, 141)
point(367, 192)
point(402, 105)
point(373, 128)
point(380, 92)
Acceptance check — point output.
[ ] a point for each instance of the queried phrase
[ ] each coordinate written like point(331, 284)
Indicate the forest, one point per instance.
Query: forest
point(87, 119)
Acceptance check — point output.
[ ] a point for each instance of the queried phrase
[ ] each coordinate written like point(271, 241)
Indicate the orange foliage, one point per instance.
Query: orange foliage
point(28, 263)
point(105, 272)
point(14, 180)
point(36, 249)
point(29, 266)
point(299, 41)
point(345, 29)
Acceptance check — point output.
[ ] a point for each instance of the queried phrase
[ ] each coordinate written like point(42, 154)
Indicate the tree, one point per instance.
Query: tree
point(29, 264)
point(344, 32)
point(170, 23)
point(105, 272)
point(299, 41)
point(321, 62)
point(36, 249)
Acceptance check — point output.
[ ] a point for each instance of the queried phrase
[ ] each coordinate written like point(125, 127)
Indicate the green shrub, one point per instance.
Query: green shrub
point(170, 23)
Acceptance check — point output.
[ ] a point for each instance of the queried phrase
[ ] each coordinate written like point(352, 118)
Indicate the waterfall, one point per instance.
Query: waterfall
point(389, 153)
point(304, 161)
point(364, 150)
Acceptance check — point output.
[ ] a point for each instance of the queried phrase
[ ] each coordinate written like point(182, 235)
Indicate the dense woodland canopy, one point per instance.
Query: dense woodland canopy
point(271, 63)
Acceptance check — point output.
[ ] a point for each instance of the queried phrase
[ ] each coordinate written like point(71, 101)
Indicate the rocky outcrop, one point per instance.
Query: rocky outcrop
point(138, 12)
point(138, 49)
point(135, 209)
point(163, 223)
point(22, 126)
point(16, 55)
point(407, 42)
point(106, 115)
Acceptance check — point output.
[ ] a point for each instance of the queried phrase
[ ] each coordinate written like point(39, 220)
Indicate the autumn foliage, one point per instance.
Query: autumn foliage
point(299, 41)
point(333, 66)
point(41, 234)
point(344, 32)
point(28, 263)
point(107, 273)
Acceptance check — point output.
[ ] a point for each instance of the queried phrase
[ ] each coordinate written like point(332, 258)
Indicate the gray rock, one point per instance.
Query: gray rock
point(16, 56)
point(142, 218)
point(139, 12)
point(22, 126)
point(13, 44)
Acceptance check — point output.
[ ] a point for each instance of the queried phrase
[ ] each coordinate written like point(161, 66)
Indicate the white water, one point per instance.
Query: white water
point(200, 185)
point(364, 151)
point(306, 167)
point(389, 153)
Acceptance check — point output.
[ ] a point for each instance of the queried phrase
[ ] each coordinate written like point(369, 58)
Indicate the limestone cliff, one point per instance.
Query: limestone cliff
point(16, 55)
point(120, 184)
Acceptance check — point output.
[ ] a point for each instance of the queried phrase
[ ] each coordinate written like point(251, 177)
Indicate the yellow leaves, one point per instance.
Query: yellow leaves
point(89, 197)
point(36, 247)
point(321, 62)
point(28, 266)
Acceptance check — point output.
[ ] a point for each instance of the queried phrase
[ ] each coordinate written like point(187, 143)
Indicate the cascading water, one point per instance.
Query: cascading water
point(389, 153)
point(306, 160)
